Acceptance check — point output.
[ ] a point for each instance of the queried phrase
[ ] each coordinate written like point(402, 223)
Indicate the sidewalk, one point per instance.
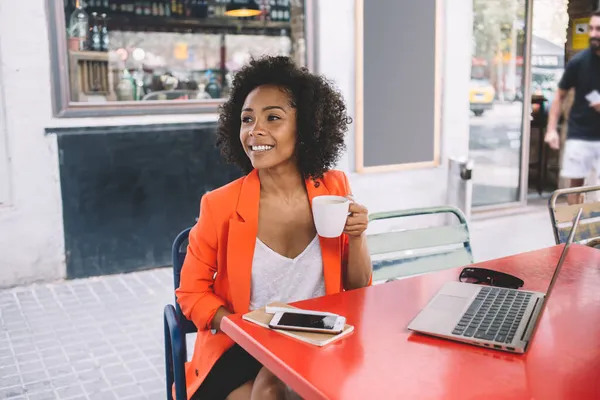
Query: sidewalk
point(102, 338)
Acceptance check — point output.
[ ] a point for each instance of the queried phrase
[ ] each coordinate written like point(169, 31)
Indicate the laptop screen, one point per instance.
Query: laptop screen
point(563, 255)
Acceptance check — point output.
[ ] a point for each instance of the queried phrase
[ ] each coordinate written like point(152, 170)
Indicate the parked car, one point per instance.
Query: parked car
point(481, 96)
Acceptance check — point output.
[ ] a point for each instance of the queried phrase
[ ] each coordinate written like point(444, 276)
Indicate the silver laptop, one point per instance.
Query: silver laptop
point(499, 318)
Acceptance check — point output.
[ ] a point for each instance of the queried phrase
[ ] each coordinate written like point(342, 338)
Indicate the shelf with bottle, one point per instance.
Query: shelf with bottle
point(190, 16)
point(271, 10)
point(193, 25)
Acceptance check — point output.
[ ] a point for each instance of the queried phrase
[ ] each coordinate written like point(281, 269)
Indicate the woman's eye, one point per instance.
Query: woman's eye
point(246, 119)
point(273, 118)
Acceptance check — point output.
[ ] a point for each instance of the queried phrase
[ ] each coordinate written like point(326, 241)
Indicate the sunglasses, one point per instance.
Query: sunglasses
point(489, 277)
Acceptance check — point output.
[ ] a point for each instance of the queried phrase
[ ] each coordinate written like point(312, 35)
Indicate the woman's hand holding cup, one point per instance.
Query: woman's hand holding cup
point(358, 219)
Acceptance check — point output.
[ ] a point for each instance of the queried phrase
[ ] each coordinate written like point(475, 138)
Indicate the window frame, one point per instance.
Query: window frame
point(63, 107)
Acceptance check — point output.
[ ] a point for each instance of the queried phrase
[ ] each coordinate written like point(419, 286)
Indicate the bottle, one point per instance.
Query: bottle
point(202, 9)
point(95, 36)
point(167, 7)
point(104, 34)
point(78, 28)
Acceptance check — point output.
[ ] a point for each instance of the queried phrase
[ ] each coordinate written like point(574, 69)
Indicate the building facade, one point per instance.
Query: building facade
point(103, 188)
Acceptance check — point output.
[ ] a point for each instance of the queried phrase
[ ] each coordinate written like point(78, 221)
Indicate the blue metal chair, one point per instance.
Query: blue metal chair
point(399, 254)
point(176, 327)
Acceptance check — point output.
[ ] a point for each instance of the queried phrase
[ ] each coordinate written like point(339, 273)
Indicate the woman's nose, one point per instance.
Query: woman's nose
point(256, 131)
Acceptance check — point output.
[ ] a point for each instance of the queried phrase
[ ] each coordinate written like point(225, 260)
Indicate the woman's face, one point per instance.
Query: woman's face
point(268, 129)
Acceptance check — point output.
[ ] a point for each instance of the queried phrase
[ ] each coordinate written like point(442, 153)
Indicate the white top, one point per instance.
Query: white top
point(278, 278)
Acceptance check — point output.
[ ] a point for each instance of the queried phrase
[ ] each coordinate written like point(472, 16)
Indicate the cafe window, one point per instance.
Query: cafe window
point(124, 57)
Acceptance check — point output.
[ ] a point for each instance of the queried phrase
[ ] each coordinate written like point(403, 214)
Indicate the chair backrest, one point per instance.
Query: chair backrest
point(561, 216)
point(409, 252)
point(179, 251)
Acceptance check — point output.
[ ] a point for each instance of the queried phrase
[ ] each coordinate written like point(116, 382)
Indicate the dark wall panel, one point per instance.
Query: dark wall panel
point(399, 48)
point(128, 191)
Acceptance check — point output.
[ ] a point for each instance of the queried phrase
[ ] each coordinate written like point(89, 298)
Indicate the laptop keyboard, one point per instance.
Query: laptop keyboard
point(494, 315)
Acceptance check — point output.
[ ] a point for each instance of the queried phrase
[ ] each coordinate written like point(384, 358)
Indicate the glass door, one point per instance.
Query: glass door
point(496, 96)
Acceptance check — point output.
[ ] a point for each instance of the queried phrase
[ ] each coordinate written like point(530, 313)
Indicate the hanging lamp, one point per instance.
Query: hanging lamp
point(242, 8)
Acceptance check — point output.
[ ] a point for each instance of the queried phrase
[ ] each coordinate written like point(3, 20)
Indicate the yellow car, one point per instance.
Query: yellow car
point(481, 96)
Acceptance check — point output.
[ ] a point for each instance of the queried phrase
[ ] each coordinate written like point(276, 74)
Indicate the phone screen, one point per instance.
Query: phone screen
point(308, 320)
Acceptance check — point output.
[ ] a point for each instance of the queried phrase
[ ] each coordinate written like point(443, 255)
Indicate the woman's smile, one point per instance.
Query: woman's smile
point(261, 148)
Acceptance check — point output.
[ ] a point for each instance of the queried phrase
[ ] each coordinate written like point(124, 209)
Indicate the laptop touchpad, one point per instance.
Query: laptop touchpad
point(451, 304)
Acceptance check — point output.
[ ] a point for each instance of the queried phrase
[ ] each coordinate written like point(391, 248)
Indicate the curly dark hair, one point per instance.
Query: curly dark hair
point(321, 119)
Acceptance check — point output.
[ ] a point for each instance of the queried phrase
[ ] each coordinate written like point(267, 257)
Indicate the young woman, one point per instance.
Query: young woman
point(255, 241)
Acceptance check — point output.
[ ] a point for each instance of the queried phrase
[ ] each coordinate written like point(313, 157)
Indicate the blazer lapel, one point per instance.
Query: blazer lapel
point(331, 248)
point(241, 241)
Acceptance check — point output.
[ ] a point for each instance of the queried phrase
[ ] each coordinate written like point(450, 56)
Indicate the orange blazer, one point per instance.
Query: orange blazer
point(218, 266)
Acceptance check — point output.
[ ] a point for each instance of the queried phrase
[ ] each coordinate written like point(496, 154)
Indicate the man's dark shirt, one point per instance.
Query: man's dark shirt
point(583, 74)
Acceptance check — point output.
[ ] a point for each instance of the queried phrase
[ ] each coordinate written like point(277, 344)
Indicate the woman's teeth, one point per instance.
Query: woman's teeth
point(260, 148)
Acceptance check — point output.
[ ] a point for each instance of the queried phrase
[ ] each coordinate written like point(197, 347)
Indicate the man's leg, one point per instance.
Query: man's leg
point(578, 197)
point(578, 159)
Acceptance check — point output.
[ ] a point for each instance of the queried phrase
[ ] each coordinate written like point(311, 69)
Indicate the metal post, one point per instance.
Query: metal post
point(459, 192)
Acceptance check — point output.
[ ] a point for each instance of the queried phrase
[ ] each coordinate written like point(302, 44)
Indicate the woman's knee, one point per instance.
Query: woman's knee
point(268, 386)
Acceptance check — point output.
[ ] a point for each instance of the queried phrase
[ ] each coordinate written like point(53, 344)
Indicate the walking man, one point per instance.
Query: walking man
point(582, 147)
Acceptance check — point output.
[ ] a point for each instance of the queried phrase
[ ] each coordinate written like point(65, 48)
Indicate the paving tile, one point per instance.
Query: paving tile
point(88, 339)
point(127, 391)
point(158, 395)
point(65, 380)
point(95, 386)
point(27, 357)
point(9, 393)
point(32, 377)
point(10, 381)
point(6, 352)
point(29, 367)
point(8, 361)
point(59, 370)
point(87, 376)
point(37, 387)
point(84, 365)
point(50, 395)
point(104, 395)
point(8, 371)
point(140, 397)
point(67, 392)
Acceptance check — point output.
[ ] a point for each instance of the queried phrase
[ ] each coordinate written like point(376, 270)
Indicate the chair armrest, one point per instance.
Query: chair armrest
point(594, 243)
point(420, 211)
point(175, 354)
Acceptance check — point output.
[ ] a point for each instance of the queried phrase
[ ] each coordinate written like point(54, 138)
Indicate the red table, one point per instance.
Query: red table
point(383, 360)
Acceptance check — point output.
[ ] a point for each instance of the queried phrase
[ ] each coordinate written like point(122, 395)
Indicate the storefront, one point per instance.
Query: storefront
point(107, 126)
point(520, 48)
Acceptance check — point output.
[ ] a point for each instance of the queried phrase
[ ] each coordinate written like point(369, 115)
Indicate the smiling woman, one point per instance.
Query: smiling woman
point(304, 104)
point(284, 127)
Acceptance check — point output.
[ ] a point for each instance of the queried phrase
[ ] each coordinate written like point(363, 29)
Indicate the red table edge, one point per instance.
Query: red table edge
point(295, 381)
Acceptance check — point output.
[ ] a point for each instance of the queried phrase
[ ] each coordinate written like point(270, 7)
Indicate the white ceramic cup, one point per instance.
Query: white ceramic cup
point(330, 214)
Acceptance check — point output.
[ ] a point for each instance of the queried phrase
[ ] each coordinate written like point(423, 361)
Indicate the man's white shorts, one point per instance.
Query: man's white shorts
point(580, 157)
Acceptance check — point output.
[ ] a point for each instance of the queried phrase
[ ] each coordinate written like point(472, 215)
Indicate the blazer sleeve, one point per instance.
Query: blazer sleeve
point(195, 294)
